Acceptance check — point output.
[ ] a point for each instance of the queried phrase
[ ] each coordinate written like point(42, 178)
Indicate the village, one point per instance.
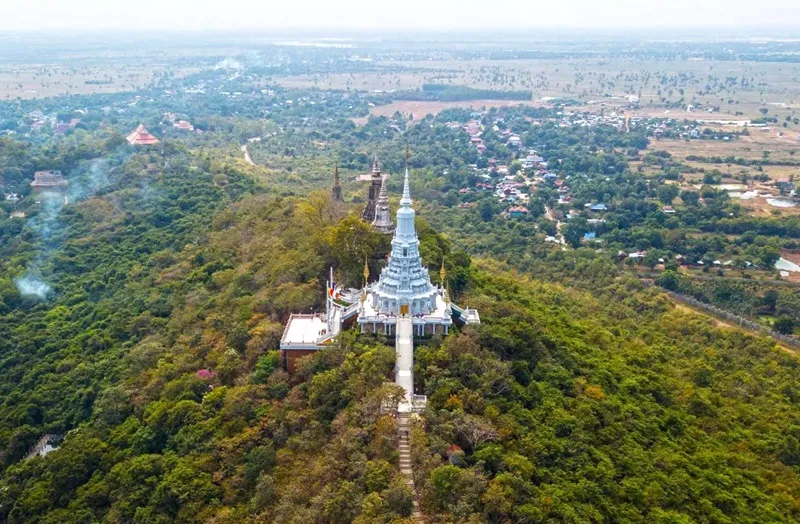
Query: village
point(516, 184)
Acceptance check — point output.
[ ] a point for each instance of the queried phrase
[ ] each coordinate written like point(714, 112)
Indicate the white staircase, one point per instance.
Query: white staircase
point(404, 363)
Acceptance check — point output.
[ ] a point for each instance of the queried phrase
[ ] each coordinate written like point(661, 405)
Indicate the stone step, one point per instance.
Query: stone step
point(406, 468)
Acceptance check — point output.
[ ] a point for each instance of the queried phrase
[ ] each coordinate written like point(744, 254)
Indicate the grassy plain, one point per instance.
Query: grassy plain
point(606, 82)
point(45, 80)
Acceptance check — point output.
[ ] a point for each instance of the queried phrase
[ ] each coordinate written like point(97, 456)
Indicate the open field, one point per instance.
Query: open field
point(419, 109)
point(773, 172)
point(732, 87)
point(782, 145)
point(761, 208)
point(38, 81)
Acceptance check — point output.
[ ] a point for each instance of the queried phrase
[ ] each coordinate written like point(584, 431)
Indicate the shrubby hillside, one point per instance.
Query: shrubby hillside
point(611, 406)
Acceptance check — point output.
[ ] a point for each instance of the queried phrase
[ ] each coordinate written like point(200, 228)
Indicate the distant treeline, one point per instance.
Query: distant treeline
point(739, 161)
point(444, 93)
point(780, 227)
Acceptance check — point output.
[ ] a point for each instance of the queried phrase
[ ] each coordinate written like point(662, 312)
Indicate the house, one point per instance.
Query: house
point(141, 137)
point(597, 207)
point(517, 212)
point(13, 197)
point(48, 180)
point(64, 127)
point(183, 125)
point(590, 236)
point(514, 141)
point(668, 210)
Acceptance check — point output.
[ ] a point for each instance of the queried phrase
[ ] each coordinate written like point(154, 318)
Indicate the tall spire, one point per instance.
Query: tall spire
point(336, 190)
point(405, 282)
point(383, 214)
point(368, 215)
point(406, 200)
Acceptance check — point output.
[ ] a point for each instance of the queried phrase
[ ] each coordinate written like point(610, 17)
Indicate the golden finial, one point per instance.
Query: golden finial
point(443, 276)
point(366, 278)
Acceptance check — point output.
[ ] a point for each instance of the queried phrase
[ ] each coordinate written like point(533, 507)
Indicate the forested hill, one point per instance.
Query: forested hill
point(154, 354)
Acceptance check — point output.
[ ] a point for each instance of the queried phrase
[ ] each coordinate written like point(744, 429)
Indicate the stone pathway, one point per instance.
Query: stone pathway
point(403, 425)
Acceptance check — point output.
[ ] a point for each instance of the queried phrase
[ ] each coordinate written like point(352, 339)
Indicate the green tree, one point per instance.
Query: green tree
point(784, 325)
point(667, 193)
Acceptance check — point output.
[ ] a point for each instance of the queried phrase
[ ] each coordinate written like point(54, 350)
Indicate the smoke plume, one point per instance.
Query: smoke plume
point(84, 182)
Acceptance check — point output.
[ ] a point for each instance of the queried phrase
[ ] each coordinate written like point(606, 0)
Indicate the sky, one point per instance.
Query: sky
point(343, 15)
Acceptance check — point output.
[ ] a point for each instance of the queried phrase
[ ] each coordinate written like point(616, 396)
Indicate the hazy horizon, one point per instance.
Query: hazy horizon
point(410, 16)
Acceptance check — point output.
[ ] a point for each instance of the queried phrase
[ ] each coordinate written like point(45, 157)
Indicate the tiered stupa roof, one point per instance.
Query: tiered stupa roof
point(405, 281)
point(383, 214)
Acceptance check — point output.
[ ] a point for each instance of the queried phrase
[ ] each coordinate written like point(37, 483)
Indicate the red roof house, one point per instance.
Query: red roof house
point(141, 137)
